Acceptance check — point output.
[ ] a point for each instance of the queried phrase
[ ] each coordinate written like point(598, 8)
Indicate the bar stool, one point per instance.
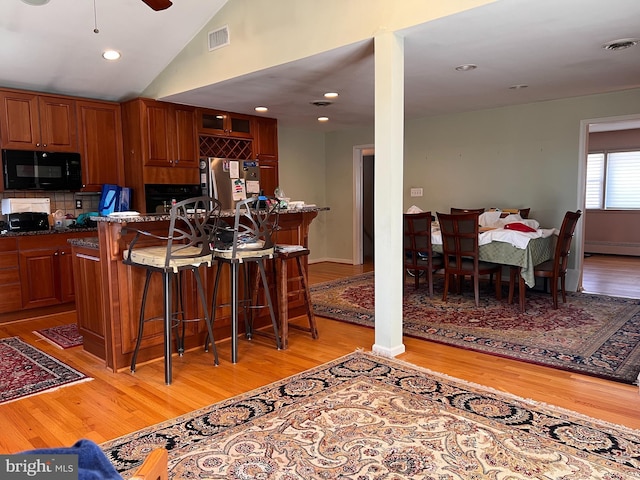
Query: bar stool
point(252, 242)
point(187, 246)
point(284, 253)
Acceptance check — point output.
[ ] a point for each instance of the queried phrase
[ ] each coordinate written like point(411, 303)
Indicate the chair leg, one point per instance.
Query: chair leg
point(430, 280)
point(445, 292)
point(234, 312)
point(499, 284)
point(476, 289)
point(141, 321)
point(212, 313)
point(267, 294)
point(166, 282)
point(512, 281)
point(554, 293)
point(564, 291)
point(207, 317)
point(313, 327)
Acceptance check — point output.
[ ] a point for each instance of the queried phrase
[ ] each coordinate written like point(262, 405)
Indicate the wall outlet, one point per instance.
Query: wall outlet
point(416, 191)
point(78, 204)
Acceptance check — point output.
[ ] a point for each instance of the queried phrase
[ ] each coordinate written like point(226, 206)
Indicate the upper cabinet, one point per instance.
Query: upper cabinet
point(166, 133)
point(265, 143)
point(214, 122)
point(100, 132)
point(29, 121)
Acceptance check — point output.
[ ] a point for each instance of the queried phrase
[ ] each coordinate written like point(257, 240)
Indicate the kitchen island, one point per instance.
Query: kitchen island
point(109, 306)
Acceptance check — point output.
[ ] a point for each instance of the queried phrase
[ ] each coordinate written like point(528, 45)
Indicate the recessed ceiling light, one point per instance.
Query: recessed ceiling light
point(111, 55)
point(262, 109)
point(621, 44)
point(330, 95)
point(36, 3)
point(519, 86)
point(466, 67)
point(323, 119)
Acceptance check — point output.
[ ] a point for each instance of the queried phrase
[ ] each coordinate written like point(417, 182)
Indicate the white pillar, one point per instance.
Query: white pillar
point(389, 139)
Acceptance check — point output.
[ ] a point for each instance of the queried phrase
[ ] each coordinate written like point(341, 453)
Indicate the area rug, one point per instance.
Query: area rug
point(591, 334)
point(365, 417)
point(26, 371)
point(62, 336)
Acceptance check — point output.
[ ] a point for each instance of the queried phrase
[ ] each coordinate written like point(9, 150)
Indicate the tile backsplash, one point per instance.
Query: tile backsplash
point(65, 201)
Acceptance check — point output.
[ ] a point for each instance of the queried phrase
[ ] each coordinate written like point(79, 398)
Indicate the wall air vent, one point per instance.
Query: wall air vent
point(219, 38)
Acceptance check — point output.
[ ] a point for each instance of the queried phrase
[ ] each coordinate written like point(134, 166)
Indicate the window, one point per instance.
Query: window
point(613, 180)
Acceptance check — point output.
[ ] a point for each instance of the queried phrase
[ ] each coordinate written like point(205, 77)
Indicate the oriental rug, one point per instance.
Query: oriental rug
point(26, 371)
point(62, 336)
point(365, 417)
point(591, 334)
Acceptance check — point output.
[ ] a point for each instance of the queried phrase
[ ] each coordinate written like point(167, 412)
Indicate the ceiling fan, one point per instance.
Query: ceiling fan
point(158, 4)
point(154, 4)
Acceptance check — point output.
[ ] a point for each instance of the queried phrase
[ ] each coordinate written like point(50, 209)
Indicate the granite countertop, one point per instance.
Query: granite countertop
point(159, 217)
point(52, 231)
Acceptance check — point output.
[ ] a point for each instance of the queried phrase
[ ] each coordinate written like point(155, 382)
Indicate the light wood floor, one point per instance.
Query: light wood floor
point(115, 404)
point(616, 275)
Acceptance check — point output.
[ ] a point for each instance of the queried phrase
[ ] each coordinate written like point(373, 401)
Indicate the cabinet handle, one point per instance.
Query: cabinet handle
point(55, 254)
point(62, 253)
point(37, 144)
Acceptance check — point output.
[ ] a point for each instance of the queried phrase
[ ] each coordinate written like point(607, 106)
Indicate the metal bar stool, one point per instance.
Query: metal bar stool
point(186, 247)
point(284, 253)
point(252, 241)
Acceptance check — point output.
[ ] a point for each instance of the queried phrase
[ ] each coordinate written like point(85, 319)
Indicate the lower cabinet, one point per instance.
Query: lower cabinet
point(89, 303)
point(46, 270)
point(11, 298)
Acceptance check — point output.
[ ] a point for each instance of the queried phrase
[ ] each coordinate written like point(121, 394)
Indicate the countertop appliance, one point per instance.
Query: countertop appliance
point(21, 205)
point(27, 221)
point(229, 180)
point(35, 170)
point(158, 197)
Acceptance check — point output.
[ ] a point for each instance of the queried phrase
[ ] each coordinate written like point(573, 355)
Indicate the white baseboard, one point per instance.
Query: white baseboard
point(334, 260)
point(612, 248)
point(388, 352)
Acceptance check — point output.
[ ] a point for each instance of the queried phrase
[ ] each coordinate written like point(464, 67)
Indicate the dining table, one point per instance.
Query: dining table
point(522, 250)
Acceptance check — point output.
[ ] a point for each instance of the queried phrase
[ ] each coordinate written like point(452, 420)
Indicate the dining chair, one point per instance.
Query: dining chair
point(251, 242)
point(461, 252)
point(418, 253)
point(457, 211)
point(554, 269)
point(524, 212)
point(186, 247)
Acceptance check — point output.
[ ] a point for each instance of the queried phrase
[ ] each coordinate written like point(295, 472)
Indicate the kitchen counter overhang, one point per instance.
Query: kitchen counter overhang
point(118, 298)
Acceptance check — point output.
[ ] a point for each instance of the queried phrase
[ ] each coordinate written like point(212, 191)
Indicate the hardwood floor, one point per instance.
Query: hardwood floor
point(115, 404)
point(616, 275)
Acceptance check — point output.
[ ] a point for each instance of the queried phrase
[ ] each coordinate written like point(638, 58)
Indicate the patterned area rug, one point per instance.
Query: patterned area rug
point(365, 417)
point(591, 334)
point(26, 371)
point(62, 336)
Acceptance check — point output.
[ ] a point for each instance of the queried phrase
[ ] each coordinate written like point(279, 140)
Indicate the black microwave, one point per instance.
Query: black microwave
point(34, 170)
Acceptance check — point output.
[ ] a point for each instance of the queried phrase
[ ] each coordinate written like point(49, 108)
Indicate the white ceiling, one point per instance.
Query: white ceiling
point(553, 46)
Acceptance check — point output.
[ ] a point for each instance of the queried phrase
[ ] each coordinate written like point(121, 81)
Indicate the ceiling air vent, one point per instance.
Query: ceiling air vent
point(219, 38)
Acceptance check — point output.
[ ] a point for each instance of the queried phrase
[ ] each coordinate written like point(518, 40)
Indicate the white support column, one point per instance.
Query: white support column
point(389, 140)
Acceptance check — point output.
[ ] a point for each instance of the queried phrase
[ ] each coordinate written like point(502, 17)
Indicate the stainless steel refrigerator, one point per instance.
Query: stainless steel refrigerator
point(229, 180)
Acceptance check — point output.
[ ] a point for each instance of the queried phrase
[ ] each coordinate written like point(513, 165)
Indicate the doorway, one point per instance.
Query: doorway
point(363, 204)
point(368, 232)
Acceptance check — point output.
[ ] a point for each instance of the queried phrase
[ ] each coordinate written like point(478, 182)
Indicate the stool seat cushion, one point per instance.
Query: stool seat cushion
point(157, 257)
point(243, 253)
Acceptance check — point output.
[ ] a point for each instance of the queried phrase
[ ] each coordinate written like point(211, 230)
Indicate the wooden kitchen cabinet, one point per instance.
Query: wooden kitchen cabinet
point(29, 121)
point(89, 301)
point(11, 298)
point(167, 132)
point(228, 124)
point(100, 139)
point(46, 270)
point(265, 139)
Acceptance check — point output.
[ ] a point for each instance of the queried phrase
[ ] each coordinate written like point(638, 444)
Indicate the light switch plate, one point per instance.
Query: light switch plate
point(416, 191)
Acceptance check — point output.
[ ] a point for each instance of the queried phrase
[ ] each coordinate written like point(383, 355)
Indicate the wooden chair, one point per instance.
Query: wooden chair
point(457, 211)
point(460, 251)
point(553, 269)
point(418, 254)
point(154, 467)
point(524, 212)
point(185, 248)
